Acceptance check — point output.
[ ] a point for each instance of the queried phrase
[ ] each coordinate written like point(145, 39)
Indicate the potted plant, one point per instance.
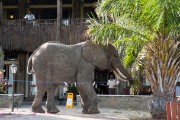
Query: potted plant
point(1, 89)
point(72, 89)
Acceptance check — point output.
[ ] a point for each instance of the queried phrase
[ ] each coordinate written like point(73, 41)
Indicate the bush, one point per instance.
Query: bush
point(72, 89)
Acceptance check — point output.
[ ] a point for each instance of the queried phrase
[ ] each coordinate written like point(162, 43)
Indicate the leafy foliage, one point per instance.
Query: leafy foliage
point(3, 83)
point(132, 24)
point(135, 87)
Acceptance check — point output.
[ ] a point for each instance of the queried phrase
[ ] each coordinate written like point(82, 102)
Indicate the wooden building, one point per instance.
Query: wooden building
point(18, 39)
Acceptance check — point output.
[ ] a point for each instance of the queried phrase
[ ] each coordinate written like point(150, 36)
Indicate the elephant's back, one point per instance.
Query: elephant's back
point(61, 57)
point(51, 45)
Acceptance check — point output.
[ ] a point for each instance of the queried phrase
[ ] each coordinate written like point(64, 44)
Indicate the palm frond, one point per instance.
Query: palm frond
point(162, 61)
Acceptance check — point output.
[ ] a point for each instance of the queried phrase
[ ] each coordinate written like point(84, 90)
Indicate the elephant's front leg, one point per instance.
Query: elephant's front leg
point(86, 102)
point(93, 109)
point(51, 108)
point(85, 78)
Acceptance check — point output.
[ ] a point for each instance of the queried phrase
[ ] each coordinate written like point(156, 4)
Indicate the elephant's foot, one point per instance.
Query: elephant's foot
point(52, 110)
point(85, 112)
point(93, 110)
point(85, 109)
point(38, 110)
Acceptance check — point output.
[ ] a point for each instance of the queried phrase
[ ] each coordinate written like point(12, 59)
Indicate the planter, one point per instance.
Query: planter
point(126, 102)
point(6, 100)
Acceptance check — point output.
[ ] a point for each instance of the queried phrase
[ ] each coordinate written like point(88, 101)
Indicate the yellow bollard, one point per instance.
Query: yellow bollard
point(70, 101)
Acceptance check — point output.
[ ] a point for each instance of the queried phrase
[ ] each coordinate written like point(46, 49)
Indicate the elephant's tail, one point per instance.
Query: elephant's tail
point(29, 66)
point(30, 69)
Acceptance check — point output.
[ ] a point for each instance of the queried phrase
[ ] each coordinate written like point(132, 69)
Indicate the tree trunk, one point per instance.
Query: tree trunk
point(158, 106)
point(162, 70)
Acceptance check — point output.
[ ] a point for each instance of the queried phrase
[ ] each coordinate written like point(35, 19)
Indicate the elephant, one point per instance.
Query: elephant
point(54, 63)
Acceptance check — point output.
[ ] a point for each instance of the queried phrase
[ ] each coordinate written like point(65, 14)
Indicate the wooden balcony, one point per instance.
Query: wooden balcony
point(28, 35)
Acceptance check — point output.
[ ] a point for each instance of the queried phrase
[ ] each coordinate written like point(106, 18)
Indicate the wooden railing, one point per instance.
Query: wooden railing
point(27, 23)
point(28, 35)
point(173, 110)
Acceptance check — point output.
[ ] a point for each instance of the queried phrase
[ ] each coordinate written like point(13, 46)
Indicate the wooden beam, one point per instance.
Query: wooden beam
point(22, 8)
point(59, 20)
point(1, 11)
point(76, 9)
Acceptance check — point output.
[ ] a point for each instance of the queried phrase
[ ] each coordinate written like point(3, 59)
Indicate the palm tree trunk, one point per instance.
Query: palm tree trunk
point(158, 106)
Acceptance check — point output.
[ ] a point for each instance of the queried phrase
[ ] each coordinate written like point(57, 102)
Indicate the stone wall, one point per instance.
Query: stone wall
point(134, 102)
point(6, 100)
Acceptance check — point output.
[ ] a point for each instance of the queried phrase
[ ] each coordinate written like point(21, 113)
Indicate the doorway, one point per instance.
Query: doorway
point(100, 79)
point(8, 76)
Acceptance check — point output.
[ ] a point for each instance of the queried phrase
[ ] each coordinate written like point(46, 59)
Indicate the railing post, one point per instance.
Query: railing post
point(173, 110)
point(178, 110)
point(168, 111)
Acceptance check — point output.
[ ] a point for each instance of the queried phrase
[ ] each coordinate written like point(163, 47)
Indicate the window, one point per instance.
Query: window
point(90, 1)
point(89, 11)
point(43, 2)
point(10, 2)
point(67, 1)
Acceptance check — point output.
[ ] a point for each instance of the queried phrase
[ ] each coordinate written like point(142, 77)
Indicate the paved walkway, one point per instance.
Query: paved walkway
point(24, 113)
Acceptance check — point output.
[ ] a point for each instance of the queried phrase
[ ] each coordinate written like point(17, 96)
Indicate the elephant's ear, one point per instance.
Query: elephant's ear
point(110, 50)
point(87, 51)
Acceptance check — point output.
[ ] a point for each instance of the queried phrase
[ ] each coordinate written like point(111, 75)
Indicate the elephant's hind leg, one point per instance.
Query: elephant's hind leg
point(51, 108)
point(36, 105)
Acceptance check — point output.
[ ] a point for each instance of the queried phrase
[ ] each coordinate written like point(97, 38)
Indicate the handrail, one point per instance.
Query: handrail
point(44, 22)
point(22, 22)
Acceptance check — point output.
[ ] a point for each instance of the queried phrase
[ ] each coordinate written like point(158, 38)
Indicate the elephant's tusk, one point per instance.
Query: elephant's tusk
point(119, 74)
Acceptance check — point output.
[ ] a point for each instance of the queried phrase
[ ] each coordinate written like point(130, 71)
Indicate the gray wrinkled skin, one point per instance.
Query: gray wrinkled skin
point(54, 63)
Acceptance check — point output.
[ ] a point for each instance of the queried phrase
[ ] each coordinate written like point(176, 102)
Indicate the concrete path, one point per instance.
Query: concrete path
point(24, 113)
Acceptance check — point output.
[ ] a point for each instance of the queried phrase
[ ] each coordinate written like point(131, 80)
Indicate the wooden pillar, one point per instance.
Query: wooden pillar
point(59, 20)
point(22, 8)
point(76, 9)
point(81, 11)
point(21, 74)
point(1, 11)
point(1, 58)
point(26, 84)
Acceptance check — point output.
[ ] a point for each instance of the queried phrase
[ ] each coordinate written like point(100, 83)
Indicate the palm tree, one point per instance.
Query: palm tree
point(162, 70)
point(132, 24)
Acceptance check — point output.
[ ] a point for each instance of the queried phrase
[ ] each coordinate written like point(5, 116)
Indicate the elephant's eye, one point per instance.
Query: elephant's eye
point(115, 55)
